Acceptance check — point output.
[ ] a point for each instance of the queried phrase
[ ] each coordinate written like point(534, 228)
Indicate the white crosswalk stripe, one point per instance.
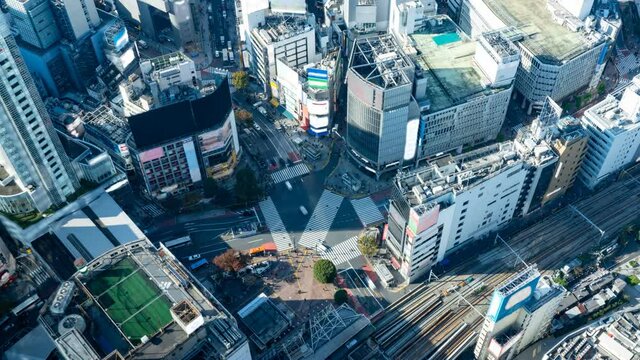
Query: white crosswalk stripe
point(274, 222)
point(320, 223)
point(343, 252)
point(289, 173)
point(367, 211)
point(153, 210)
point(626, 64)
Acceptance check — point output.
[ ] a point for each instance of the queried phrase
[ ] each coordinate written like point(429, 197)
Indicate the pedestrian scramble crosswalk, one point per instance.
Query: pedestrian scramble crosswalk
point(367, 211)
point(320, 223)
point(278, 232)
point(343, 252)
point(289, 173)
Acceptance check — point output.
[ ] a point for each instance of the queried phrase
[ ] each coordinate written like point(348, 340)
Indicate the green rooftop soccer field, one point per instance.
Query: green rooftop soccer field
point(131, 299)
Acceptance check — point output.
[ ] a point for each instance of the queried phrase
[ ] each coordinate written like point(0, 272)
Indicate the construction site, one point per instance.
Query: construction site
point(441, 318)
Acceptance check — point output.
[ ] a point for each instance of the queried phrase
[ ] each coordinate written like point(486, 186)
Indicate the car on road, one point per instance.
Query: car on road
point(194, 257)
point(261, 267)
point(257, 127)
point(143, 44)
point(288, 184)
point(303, 210)
point(322, 247)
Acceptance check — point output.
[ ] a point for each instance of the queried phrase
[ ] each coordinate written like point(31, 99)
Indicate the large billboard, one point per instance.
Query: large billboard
point(504, 304)
point(192, 160)
point(318, 107)
point(216, 139)
point(318, 78)
point(152, 154)
point(121, 39)
point(419, 223)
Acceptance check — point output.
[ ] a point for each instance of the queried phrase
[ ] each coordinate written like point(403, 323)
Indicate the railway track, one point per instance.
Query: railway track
point(424, 324)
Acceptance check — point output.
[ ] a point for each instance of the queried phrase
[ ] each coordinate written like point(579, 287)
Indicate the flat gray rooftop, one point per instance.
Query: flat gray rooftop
point(542, 36)
point(446, 56)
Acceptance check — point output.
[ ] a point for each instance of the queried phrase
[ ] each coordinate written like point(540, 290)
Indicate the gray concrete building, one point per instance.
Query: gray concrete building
point(34, 172)
point(382, 116)
point(463, 86)
point(34, 21)
point(561, 54)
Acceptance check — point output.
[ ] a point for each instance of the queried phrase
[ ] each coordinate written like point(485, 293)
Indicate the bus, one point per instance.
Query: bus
point(185, 240)
point(264, 249)
point(198, 264)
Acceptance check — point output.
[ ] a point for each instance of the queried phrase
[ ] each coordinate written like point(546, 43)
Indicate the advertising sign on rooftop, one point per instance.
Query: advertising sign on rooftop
point(318, 78)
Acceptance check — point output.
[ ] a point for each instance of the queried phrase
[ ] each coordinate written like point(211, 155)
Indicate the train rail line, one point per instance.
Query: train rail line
point(428, 323)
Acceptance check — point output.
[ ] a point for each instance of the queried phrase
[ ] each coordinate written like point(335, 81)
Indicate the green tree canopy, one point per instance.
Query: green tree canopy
point(247, 188)
point(368, 245)
point(324, 271)
point(240, 80)
point(340, 296)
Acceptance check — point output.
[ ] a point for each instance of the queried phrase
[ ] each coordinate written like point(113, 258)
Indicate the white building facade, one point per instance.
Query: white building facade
point(613, 127)
point(453, 201)
point(35, 171)
point(290, 37)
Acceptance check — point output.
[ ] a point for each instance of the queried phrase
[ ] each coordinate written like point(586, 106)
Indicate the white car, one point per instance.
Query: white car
point(257, 127)
point(194, 257)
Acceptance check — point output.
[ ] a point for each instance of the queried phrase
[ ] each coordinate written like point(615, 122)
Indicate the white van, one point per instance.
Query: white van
point(288, 184)
point(303, 210)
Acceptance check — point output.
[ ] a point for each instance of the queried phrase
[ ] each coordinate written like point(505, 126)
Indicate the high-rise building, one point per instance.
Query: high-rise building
point(382, 116)
point(452, 201)
point(519, 314)
point(561, 54)
point(75, 18)
point(288, 36)
point(463, 86)
point(35, 22)
point(35, 172)
point(156, 16)
point(613, 126)
point(172, 156)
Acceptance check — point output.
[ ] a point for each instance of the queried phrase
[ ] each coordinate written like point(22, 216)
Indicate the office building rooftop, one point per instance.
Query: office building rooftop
point(457, 173)
point(618, 115)
point(381, 61)
point(539, 32)
point(445, 55)
point(111, 126)
point(168, 60)
point(278, 27)
point(165, 310)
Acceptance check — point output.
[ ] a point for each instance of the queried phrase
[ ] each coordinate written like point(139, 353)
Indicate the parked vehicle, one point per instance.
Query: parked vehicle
point(198, 264)
point(194, 257)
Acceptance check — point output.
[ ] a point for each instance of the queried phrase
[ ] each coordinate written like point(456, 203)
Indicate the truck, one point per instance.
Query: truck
point(225, 55)
point(229, 46)
point(198, 264)
point(231, 57)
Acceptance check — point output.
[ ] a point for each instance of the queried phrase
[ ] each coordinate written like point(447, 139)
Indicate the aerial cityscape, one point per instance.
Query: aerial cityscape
point(320, 179)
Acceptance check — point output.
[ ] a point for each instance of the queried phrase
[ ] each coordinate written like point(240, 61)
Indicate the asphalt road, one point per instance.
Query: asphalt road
point(277, 141)
point(205, 236)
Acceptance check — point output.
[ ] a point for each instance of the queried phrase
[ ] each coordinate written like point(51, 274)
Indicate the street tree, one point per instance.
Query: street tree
point(324, 271)
point(368, 245)
point(230, 260)
point(243, 116)
point(240, 80)
point(340, 297)
point(247, 188)
point(210, 187)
